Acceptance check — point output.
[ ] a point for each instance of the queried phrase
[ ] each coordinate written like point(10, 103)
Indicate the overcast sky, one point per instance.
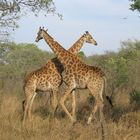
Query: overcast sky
point(109, 22)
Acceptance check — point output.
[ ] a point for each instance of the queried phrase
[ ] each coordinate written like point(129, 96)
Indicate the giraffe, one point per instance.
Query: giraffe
point(48, 78)
point(76, 75)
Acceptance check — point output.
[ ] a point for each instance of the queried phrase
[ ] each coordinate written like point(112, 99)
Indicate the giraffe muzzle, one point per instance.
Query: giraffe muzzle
point(96, 44)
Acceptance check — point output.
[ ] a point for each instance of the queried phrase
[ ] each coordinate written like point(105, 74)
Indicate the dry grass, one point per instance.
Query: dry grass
point(43, 127)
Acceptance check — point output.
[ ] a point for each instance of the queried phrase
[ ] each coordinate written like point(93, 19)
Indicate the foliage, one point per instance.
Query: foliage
point(17, 59)
point(81, 55)
point(12, 10)
point(135, 5)
point(122, 71)
point(122, 68)
point(135, 97)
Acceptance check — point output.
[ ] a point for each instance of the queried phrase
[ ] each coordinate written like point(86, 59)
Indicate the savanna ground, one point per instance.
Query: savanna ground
point(125, 127)
point(123, 121)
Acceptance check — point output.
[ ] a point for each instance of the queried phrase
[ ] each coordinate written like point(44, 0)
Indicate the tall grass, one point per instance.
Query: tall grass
point(43, 127)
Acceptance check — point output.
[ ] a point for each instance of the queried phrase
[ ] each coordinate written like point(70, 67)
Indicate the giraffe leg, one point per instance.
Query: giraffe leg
point(93, 112)
point(98, 105)
point(30, 94)
point(73, 105)
point(103, 124)
point(30, 105)
point(62, 102)
point(26, 108)
point(96, 92)
point(54, 102)
point(26, 102)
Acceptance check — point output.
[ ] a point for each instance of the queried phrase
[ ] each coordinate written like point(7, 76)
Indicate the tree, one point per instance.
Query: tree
point(12, 10)
point(18, 59)
point(135, 5)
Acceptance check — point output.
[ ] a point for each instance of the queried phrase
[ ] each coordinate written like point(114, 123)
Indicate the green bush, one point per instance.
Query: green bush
point(135, 97)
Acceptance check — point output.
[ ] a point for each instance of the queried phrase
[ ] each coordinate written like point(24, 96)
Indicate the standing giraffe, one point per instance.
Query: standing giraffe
point(48, 78)
point(76, 75)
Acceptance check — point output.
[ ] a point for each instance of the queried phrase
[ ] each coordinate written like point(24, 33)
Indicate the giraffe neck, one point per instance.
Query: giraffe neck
point(77, 45)
point(59, 51)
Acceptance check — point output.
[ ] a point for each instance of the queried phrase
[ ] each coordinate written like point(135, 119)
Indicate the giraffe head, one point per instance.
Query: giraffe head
point(40, 34)
point(89, 38)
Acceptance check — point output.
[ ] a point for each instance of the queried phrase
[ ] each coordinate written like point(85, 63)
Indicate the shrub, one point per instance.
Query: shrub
point(135, 97)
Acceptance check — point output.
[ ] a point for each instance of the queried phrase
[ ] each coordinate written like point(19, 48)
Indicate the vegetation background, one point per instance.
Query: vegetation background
point(122, 70)
point(123, 80)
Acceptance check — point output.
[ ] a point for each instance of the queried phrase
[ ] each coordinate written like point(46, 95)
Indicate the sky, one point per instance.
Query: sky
point(109, 22)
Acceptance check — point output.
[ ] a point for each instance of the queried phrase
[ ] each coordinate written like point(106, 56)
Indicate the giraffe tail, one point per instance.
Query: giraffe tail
point(107, 97)
point(109, 100)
